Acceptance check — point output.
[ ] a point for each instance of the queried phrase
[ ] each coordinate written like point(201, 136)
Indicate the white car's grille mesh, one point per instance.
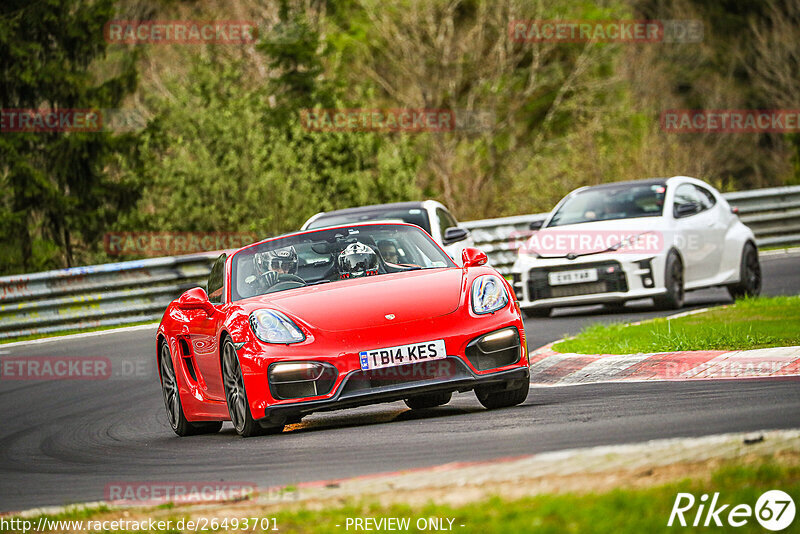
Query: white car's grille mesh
point(611, 278)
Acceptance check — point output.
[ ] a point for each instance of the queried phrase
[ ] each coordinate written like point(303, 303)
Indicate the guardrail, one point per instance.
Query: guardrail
point(137, 291)
point(773, 214)
point(97, 295)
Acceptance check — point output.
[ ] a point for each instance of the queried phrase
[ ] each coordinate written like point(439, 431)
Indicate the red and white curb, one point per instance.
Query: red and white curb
point(552, 368)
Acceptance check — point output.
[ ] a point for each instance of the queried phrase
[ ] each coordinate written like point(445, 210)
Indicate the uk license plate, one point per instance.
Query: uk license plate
point(402, 354)
point(572, 277)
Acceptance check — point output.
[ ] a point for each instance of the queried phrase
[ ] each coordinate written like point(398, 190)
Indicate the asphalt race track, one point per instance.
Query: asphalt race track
point(64, 441)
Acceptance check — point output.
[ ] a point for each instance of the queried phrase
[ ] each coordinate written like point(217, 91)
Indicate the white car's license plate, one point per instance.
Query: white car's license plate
point(402, 354)
point(572, 277)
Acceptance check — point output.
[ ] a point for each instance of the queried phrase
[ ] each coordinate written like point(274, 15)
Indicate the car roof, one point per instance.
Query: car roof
point(645, 181)
point(420, 204)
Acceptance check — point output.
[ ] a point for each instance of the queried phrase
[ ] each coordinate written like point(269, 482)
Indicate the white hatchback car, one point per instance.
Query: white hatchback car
point(429, 215)
point(629, 240)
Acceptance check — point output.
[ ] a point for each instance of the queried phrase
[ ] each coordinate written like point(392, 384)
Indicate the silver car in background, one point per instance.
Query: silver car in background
point(430, 215)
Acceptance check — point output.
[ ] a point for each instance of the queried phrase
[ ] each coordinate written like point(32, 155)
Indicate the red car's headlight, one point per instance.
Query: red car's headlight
point(272, 326)
point(488, 294)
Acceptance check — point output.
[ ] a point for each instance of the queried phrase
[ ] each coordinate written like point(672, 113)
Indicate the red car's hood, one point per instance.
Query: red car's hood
point(364, 302)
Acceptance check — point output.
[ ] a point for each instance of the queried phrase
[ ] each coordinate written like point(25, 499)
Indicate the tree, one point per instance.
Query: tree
point(229, 152)
point(520, 96)
point(59, 189)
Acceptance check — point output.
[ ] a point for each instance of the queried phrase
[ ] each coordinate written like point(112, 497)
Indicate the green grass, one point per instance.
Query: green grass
point(74, 331)
point(618, 511)
point(748, 324)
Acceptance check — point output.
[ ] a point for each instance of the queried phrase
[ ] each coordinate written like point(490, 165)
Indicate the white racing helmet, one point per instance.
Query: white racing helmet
point(356, 260)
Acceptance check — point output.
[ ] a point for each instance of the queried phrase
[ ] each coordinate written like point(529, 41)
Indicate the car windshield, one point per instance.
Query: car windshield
point(332, 255)
point(416, 216)
point(604, 203)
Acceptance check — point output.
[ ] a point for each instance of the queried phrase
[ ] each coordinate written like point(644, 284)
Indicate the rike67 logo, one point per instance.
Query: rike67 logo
point(774, 510)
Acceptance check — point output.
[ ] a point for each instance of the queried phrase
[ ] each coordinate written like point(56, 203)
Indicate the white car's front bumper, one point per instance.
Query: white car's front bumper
point(620, 277)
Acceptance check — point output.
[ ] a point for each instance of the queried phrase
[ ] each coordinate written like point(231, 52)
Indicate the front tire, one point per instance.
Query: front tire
point(673, 281)
point(749, 284)
point(429, 400)
point(493, 399)
point(172, 400)
point(236, 396)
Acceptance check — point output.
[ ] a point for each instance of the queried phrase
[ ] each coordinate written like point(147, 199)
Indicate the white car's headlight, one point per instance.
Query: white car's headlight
point(633, 242)
point(488, 294)
point(272, 326)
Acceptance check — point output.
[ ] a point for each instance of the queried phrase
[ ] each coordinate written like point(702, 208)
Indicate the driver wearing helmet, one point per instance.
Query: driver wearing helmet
point(357, 260)
point(271, 264)
point(389, 251)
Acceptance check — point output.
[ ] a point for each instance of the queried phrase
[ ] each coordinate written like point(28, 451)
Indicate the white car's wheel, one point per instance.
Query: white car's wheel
point(673, 282)
point(749, 284)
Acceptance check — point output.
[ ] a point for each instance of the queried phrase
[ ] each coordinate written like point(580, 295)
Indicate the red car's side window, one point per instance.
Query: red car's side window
point(216, 280)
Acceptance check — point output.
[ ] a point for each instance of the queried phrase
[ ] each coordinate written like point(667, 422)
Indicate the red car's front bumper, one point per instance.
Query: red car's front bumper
point(354, 387)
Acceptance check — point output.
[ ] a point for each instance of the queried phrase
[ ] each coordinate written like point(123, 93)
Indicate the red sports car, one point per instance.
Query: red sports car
point(337, 318)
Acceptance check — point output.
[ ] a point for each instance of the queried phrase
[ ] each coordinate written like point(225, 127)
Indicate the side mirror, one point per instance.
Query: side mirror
point(196, 299)
point(684, 210)
point(455, 234)
point(535, 225)
point(472, 257)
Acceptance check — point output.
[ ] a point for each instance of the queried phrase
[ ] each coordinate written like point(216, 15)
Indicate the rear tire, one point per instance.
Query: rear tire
point(492, 399)
point(429, 400)
point(236, 396)
point(749, 284)
point(172, 400)
point(673, 281)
